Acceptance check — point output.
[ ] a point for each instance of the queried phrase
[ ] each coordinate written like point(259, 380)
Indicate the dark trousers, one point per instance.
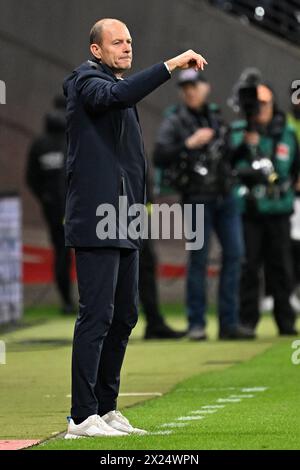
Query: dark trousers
point(223, 217)
point(54, 214)
point(108, 311)
point(148, 285)
point(267, 240)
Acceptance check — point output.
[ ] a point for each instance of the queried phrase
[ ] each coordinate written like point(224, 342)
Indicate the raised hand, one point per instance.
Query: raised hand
point(189, 59)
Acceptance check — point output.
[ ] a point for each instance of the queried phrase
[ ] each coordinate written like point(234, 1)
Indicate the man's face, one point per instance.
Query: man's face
point(115, 49)
point(195, 95)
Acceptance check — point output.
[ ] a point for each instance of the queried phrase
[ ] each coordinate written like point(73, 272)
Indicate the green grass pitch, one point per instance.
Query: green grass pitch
point(253, 385)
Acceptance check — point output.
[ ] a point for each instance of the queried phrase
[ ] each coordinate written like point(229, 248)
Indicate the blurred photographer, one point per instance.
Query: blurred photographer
point(45, 177)
point(189, 152)
point(266, 158)
point(293, 118)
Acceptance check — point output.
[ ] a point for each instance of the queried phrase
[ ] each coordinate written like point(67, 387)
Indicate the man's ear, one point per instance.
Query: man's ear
point(95, 50)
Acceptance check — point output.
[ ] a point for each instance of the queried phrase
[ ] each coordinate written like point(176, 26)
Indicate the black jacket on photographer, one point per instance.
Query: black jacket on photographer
point(196, 174)
point(45, 173)
point(45, 176)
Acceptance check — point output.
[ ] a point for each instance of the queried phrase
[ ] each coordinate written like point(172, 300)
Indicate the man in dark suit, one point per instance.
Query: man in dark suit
point(105, 162)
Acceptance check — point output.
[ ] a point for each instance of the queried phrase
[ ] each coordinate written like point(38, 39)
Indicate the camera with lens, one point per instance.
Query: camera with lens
point(244, 98)
point(266, 167)
point(202, 172)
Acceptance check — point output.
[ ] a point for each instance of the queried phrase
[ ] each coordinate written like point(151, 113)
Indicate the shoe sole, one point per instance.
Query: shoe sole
point(133, 433)
point(136, 433)
point(75, 436)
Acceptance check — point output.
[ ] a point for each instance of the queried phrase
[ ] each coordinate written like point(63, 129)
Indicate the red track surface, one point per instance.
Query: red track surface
point(16, 445)
point(37, 267)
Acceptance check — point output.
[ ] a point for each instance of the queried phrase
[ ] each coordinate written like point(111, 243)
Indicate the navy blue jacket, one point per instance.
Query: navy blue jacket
point(105, 147)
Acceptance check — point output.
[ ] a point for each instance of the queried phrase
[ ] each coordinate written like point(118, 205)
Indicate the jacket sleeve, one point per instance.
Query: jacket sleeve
point(168, 144)
point(100, 94)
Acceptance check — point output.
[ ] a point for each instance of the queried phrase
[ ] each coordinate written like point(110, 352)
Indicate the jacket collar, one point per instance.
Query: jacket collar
point(105, 68)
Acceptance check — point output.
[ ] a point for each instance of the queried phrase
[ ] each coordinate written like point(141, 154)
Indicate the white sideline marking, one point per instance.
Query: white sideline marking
point(212, 407)
point(208, 412)
point(229, 400)
point(190, 418)
point(173, 425)
point(159, 433)
point(214, 389)
point(211, 389)
point(242, 396)
point(254, 389)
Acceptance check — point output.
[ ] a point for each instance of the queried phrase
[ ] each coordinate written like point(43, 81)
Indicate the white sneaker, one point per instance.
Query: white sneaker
point(117, 421)
point(93, 426)
point(266, 304)
point(197, 333)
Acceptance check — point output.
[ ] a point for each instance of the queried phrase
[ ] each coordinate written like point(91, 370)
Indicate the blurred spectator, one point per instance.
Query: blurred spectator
point(185, 142)
point(294, 120)
point(156, 327)
point(266, 153)
point(45, 177)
